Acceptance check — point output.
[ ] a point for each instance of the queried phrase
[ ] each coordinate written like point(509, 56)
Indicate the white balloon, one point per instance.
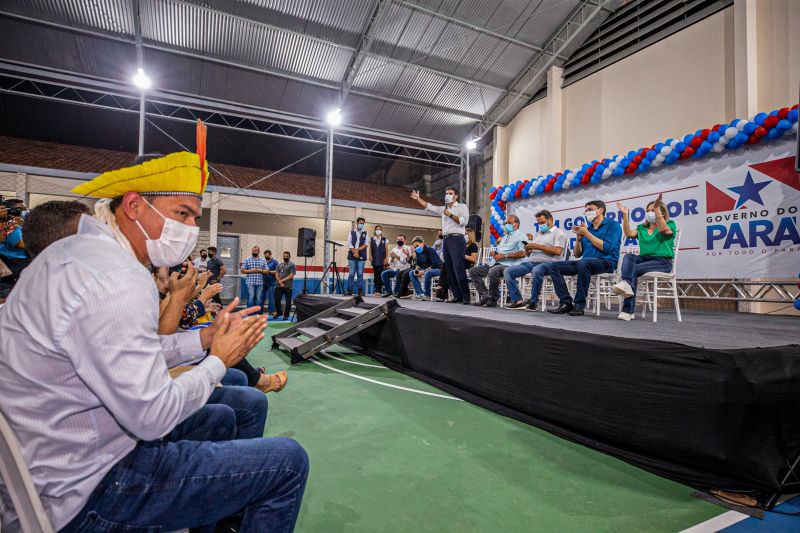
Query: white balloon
point(505, 196)
point(674, 143)
point(723, 140)
point(740, 126)
point(794, 127)
point(659, 158)
point(730, 132)
point(612, 165)
point(666, 150)
point(606, 173)
point(565, 185)
point(718, 148)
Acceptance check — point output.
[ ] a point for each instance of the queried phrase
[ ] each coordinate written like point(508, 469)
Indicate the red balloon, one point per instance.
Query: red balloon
point(585, 179)
point(783, 113)
point(716, 127)
point(518, 194)
point(687, 153)
point(630, 168)
point(771, 122)
point(637, 159)
point(704, 134)
point(760, 131)
point(753, 139)
point(696, 141)
point(794, 106)
point(493, 194)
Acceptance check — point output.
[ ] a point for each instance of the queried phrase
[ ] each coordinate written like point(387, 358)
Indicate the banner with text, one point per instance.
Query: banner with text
point(737, 212)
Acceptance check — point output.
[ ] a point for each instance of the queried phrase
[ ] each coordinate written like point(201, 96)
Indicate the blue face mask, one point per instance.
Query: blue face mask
point(419, 249)
point(360, 226)
point(509, 228)
point(543, 228)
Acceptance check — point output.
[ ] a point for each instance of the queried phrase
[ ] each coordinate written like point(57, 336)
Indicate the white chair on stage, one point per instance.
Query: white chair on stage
point(601, 284)
point(18, 483)
point(654, 283)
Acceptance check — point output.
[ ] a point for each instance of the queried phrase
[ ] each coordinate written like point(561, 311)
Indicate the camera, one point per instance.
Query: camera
point(13, 207)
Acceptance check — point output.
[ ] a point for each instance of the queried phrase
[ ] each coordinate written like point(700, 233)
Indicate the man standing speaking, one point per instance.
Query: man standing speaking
point(454, 221)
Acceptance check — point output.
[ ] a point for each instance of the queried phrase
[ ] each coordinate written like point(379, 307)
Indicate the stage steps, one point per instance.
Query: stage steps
point(329, 327)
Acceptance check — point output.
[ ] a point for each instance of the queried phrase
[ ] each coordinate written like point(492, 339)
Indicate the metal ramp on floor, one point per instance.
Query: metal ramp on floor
point(331, 326)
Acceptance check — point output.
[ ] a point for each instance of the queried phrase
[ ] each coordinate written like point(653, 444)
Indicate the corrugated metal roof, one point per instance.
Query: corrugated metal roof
point(292, 55)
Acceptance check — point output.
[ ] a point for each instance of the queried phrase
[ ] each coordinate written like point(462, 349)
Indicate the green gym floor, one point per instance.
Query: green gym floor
point(389, 459)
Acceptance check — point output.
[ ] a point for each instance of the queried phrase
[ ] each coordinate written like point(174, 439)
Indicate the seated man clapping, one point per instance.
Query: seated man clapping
point(547, 245)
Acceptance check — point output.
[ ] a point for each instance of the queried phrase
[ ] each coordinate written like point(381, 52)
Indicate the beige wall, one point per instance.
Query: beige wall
point(674, 87)
point(778, 53)
point(527, 144)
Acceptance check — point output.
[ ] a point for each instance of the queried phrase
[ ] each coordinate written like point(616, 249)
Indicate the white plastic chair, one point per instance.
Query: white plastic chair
point(19, 485)
point(602, 283)
point(662, 281)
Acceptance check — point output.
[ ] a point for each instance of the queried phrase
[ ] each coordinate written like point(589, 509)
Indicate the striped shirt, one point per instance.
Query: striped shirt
point(258, 263)
point(83, 372)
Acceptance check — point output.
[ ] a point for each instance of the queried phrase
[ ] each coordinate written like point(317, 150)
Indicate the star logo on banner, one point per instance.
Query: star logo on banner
point(749, 191)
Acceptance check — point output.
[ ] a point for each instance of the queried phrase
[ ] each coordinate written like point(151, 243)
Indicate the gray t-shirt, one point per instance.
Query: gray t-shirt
point(553, 237)
point(284, 269)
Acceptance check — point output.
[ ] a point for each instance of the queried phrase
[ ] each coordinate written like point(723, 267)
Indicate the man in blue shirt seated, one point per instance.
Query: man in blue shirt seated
point(429, 265)
point(597, 249)
point(510, 252)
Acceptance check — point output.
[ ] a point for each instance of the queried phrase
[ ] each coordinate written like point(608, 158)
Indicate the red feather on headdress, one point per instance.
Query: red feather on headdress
point(201, 151)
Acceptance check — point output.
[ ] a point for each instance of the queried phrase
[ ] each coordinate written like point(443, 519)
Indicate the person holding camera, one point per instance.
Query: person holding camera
point(12, 247)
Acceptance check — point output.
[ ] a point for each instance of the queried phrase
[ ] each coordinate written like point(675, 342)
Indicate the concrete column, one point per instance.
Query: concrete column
point(500, 158)
point(22, 188)
point(555, 120)
point(213, 219)
point(745, 58)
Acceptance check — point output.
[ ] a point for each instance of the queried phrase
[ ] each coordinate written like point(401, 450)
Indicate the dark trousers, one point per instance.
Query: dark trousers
point(495, 274)
point(377, 270)
point(584, 269)
point(634, 266)
point(444, 285)
point(403, 279)
point(455, 248)
point(280, 294)
point(253, 374)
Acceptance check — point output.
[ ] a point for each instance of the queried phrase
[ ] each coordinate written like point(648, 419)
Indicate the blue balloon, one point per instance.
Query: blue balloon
point(792, 116)
point(595, 179)
point(783, 125)
point(650, 155)
point(706, 146)
point(713, 137)
point(749, 128)
point(556, 187)
point(797, 304)
point(774, 133)
point(759, 119)
point(688, 138)
point(680, 147)
point(735, 121)
point(585, 167)
point(740, 138)
point(774, 112)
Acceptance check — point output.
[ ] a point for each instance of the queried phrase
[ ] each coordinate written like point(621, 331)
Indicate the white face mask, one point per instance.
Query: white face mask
point(650, 216)
point(174, 244)
point(378, 232)
point(448, 198)
point(590, 215)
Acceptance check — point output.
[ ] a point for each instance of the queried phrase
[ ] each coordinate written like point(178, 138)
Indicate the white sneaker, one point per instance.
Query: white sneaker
point(623, 288)
point(417, 297)
point(625, 316)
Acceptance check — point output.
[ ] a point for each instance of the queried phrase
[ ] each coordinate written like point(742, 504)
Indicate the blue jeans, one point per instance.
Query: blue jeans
point(386, 278)
point(584, 269)
point(635, 265)
point(167, 486)
point(517, 271)
point(432, 273)
point(356, 268)
point(253, 294)
point(268, 297)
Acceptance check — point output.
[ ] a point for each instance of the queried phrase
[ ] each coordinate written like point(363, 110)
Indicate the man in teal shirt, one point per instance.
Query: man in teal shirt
point(597, 247)
point(510, 251)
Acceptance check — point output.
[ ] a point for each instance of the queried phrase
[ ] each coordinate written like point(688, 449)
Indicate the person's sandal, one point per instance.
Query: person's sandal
point(271, 386)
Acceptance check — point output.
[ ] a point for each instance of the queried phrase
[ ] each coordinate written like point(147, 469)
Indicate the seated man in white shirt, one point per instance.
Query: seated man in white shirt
point(547, 244)
point(510, 252)
point(399, 260)
point(85, 382)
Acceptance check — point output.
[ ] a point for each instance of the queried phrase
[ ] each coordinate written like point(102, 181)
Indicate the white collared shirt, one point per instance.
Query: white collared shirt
point(448, 224)
point(83, 372)
point(404, 252)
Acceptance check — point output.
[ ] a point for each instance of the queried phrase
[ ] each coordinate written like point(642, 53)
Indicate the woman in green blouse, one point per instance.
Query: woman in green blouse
point(656, 239)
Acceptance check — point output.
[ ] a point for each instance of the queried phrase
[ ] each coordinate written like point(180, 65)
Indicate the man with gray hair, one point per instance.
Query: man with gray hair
point(510, 251)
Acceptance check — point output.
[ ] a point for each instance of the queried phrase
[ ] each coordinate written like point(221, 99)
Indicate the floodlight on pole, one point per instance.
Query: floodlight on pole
point(472, 144)
point(141, 80)
point(334, 118)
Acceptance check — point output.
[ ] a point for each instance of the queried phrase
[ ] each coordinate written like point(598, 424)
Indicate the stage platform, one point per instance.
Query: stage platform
point(711, 402)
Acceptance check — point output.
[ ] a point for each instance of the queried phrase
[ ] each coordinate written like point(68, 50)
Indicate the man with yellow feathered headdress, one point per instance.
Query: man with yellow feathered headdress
point(84, 377)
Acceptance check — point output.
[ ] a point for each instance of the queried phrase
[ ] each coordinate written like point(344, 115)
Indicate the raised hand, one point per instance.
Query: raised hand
point(657, 203)
point(183, 288)
point(415, 195)
point(625, 210)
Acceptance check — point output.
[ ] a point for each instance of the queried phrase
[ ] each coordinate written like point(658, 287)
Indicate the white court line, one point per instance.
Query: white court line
point(426, 393)
point(718, 523)
point(326, 354)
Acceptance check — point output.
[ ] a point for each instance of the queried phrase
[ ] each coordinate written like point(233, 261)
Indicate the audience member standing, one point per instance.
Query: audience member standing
point(254, 267)
point(268, 295)
point(379, 256)
point(201, 262)
point(357, 257)
point(12, 247)
point(217, 268)
point(455, 216)
point(285, 274)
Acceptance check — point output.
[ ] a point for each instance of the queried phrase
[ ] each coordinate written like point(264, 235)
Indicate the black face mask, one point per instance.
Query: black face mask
point(203, 256)
point(285, 259)
point(255, 255)
point(400, 243)
point(267, 258)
